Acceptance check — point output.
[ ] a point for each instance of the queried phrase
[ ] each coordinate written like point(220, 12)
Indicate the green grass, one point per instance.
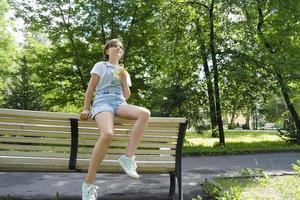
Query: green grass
point(236, 142)
point(278, 187)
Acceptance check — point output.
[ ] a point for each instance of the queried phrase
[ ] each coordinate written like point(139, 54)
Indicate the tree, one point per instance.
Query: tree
point(273, 49)
point(8, 50)
point(211, 42)
point(21, 93)
point(77, 31)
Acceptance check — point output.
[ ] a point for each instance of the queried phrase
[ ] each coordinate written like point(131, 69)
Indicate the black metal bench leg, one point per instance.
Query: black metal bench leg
point(180, 192)
point(179, 145)
point(172, 185)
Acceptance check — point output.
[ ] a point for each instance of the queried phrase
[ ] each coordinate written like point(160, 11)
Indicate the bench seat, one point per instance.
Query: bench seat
point(37, 141)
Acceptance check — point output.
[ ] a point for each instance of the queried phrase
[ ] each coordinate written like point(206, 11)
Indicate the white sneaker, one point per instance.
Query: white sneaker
point(129, 166)
point(89, 192)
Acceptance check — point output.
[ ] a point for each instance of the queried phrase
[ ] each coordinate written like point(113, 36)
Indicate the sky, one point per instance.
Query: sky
point(19, 25)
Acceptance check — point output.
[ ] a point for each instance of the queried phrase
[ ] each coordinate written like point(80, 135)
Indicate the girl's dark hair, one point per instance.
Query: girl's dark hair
point(112, 43)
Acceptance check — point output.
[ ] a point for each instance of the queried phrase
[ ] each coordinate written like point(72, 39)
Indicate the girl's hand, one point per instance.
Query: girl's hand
point(123, 74)
point(85, 114)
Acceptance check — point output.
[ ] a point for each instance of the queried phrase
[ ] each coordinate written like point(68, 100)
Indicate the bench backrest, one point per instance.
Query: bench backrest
point(270, 125)
point(47, 141)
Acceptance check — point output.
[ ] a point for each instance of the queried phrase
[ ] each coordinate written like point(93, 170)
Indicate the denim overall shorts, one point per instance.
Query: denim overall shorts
point(109, 96)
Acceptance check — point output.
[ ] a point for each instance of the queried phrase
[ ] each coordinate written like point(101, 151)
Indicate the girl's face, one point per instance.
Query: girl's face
point(115, 51)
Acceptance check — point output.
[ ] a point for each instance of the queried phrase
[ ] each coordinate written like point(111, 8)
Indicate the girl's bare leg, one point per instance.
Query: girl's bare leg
point(104, 121)
point(142, 116)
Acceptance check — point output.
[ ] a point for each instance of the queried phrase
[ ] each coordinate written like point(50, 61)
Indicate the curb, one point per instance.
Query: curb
point(195, 154)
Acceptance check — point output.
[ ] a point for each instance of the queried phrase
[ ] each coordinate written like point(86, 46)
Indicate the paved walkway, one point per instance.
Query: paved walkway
point(42, 186)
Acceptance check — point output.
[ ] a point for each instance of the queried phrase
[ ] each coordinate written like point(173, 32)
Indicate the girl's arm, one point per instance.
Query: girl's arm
point(126, 90)
point(85, 114)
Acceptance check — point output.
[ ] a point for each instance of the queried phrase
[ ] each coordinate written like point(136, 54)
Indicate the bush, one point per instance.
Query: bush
point(296, 167)
point(290, 134)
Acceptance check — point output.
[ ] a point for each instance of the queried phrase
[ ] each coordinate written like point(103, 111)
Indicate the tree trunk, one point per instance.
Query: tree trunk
point(130, 32)
point(216, 74)
point(76, 57)
point(113, 33)
point(232, 125)
point(101, 20)
point(210, 91)
point(287, 99)
point(247, 125)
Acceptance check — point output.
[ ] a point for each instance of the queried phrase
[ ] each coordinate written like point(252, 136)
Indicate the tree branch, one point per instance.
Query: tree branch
point(128, 45)
point(259, 27)
point(196, 3)
point(74, 48)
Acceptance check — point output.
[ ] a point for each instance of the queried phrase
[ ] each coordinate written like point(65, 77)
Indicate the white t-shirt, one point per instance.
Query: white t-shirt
point(100, 69)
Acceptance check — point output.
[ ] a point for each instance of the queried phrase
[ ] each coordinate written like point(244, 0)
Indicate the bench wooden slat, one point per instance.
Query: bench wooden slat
point(128, 128)
point(128, 131)
point(81, 150)
point(35, 127)
point(145, 138)
point(37, 114)
point(83, 156)
point(81, 163)
point(125, 143)
point(66, 129)
point(86, 136)
point(67, 142)
point(19, 147)
point(35, 133)
point(7, 167)
point(157, 151)
point(31, 140)
point(82, 136)
point(30, 159)
point(169, 125)
point(174, 120)
point(139, 157)
point(28, 121)
point(33, 167)
point(38, 167)
point(63, 122)
point(55, 115)
point(58, 164)
point(35, 154)
point(43, 122)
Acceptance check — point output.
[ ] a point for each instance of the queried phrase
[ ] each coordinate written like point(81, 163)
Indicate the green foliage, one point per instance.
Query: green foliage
point(163, 41)
point(238, 142)
point(198, 198)
point(290, 134)
point(21, 93)
point(296, 167)
point(259, 188)
point(8, 50)
point(7, 198)
point(273, 108)
point(211, 190)
point(57, 196)
point(253, 172)
point(214, 190)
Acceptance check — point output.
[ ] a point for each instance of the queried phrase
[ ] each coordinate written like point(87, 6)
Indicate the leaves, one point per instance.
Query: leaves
point(162, 42)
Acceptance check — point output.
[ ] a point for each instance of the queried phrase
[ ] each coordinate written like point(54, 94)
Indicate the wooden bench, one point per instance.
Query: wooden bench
point(269, 126)
point(58, 142)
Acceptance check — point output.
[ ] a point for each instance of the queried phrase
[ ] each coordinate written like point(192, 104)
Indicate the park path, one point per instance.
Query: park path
point(42, 186)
